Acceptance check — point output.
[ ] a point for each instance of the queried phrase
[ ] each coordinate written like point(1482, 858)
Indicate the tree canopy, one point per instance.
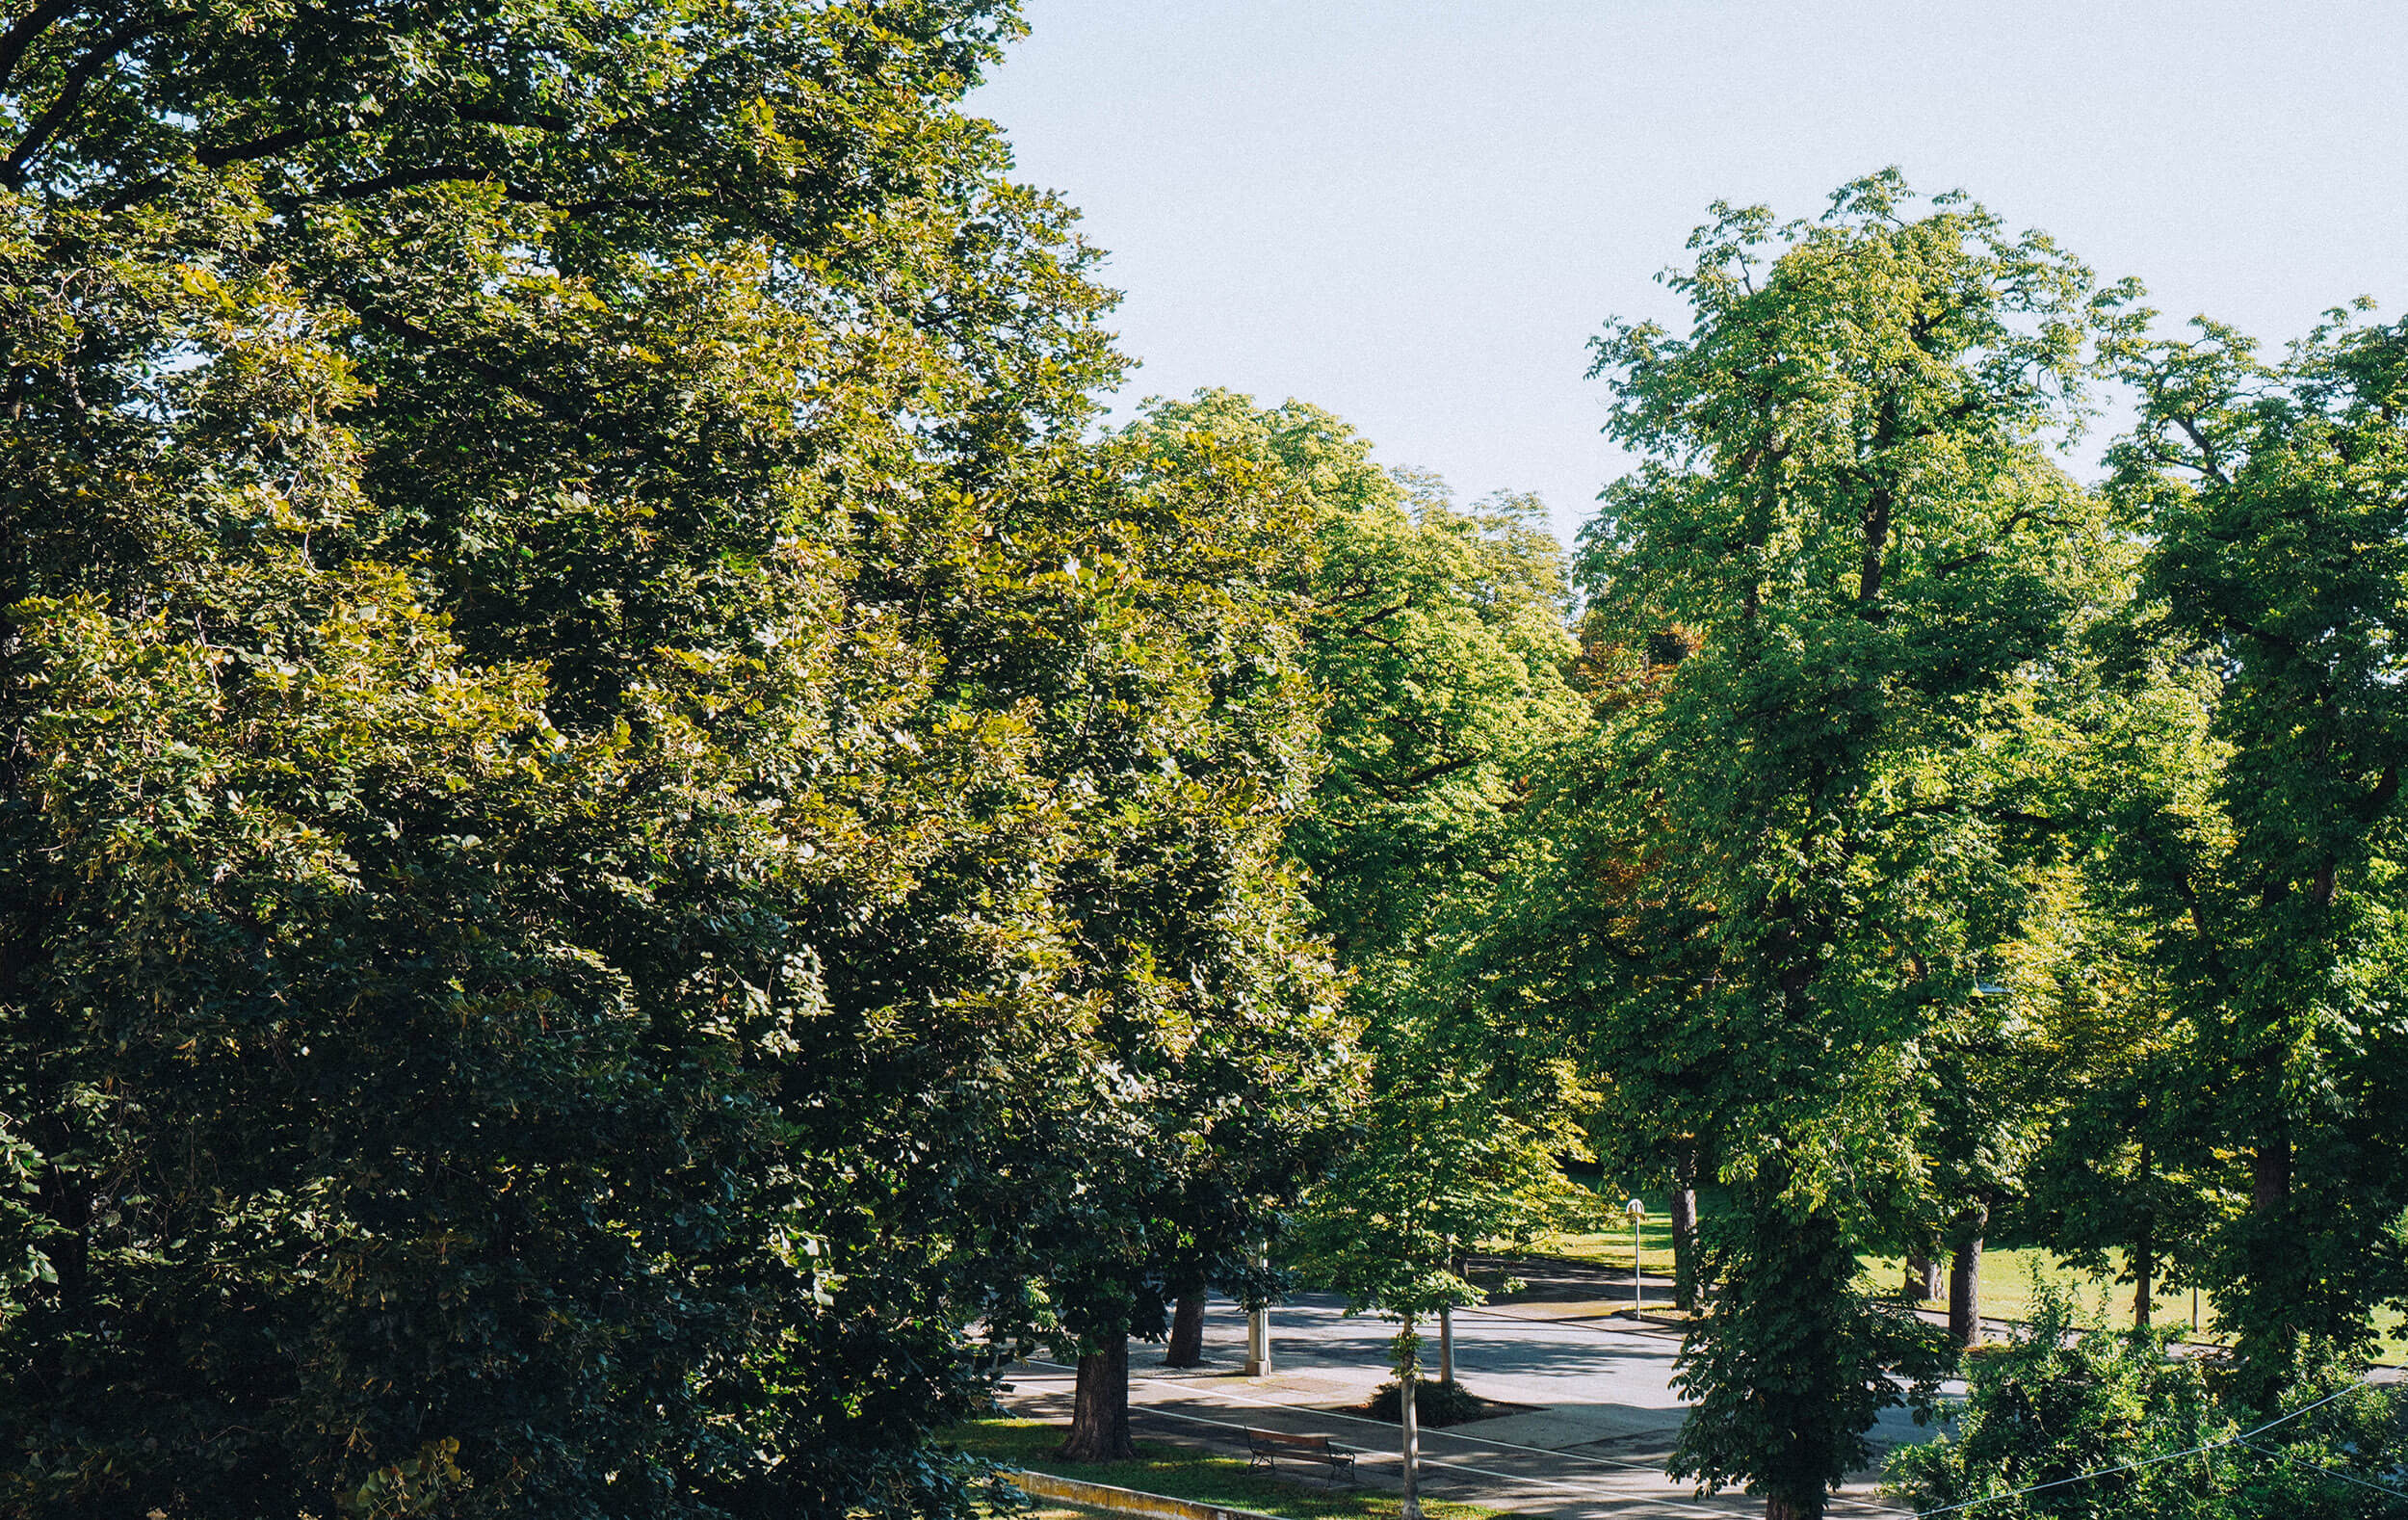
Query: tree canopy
point(603, 786)
point(632, 842)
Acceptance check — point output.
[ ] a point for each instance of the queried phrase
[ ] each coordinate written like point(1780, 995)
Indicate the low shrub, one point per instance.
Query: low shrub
point(2072, 1421)
point(1435, 1403)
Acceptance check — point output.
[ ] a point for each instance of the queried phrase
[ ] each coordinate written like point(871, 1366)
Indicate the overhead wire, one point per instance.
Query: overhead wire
point(2242, 1439)
point(2276, 1451)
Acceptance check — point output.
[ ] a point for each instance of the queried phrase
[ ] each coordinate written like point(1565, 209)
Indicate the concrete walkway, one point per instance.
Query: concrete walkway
point(1600, 1420)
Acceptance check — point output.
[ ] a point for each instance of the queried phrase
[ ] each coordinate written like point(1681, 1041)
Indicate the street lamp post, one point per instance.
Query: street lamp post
point(1637, 1212)
point(1258, 1327)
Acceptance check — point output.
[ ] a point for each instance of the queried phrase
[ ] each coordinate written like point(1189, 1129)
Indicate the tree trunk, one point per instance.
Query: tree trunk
point(2276, 1301)
point(2144, 1254)
point(1446, 1344)
point(1965, 1290)
point(1685, 1231)
point(1923, 1279)
point(1794, 1507)
point(2144, 1282)
point(1408, 1380)
point(1187, 1331)
point(2269, 1176)
point(1099, 1417)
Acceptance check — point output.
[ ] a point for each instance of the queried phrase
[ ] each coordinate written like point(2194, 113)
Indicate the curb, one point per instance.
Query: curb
point(1125, 1501)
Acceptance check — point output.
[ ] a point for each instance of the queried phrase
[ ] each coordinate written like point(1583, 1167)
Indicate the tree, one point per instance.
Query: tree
point(1846, 538)
point(2275, 497)
point(538, 900)
point(1188, 734)
point(2126, 1161)
point(1442, 1161)
point(1434, 636)
point(2072, 1419)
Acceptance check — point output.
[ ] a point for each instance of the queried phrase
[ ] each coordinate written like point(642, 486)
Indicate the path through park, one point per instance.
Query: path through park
point(1598, 1422)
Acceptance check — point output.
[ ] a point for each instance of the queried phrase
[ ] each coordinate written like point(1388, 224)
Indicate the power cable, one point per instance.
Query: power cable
point(2276, 1451)
point(2242, 1439)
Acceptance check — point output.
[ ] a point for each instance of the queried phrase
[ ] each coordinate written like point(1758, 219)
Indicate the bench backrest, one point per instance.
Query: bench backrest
point(1300, 1443)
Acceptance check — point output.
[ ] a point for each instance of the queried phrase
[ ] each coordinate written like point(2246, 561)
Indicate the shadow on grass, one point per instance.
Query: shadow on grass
point(1183, 1473)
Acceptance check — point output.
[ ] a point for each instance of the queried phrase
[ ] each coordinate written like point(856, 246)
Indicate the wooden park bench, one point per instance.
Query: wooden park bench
point(1265, 1447)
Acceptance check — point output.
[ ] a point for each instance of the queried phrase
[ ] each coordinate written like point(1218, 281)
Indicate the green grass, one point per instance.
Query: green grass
point(2009, 1277)
point(2006, 1278)
point(1181, 1473)
point(1610, 1247)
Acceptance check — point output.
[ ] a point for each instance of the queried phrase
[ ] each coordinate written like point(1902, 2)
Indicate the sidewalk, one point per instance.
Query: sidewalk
point(1600, 1419)
point(1599, 1415)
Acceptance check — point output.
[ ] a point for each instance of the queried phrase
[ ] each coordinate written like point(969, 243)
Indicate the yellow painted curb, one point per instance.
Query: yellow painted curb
point(1125, 1501)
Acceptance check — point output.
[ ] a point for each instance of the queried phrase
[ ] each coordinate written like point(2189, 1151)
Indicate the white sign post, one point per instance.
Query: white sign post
point(1637, 1212)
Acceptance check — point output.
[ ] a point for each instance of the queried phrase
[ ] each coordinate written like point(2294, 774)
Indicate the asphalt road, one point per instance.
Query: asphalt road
point(1599, 1419)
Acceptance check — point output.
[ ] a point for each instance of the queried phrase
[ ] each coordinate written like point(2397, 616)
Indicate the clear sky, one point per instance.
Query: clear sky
point(1415, 215)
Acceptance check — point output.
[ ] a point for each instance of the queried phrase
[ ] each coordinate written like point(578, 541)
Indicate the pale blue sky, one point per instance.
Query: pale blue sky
point(1415, 215)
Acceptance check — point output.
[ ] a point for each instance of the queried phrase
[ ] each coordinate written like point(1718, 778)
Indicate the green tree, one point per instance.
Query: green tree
point(1846, 539)
point(1441, 1160)
point(2127, 1160)
point(2072, 1419)
point(1573, 958)
point(2276, 502)
point(537, 892)
point(1188, 735)
point(1434, 636)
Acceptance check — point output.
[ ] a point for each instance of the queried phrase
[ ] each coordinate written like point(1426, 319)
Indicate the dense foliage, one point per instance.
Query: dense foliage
point(2070, 1420)
point(1958, 850)
point(2276, 503)
point(1847, 543)
point(610, 818)
point(628, 843)
point(1436, 636)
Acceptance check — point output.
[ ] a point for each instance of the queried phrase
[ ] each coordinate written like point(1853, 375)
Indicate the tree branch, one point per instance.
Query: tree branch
point(20, 37)
point(1432, 772)
point(71, 94)
point(540, 122)
point(261, 147)
point(1363, 625)
point(299, 137)
point(402, 179)
point(1393, 789)
point(2207, 451)
point(559, 404)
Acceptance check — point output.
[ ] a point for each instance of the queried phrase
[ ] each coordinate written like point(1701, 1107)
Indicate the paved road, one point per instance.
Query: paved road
point(1601, 1416)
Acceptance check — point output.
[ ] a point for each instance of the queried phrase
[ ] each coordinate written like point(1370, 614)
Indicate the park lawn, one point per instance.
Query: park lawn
point(2007, 1278)
point(2011, 1276)
point(1611, 1246)
point(2006, 1274)
point(1182, 1472)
